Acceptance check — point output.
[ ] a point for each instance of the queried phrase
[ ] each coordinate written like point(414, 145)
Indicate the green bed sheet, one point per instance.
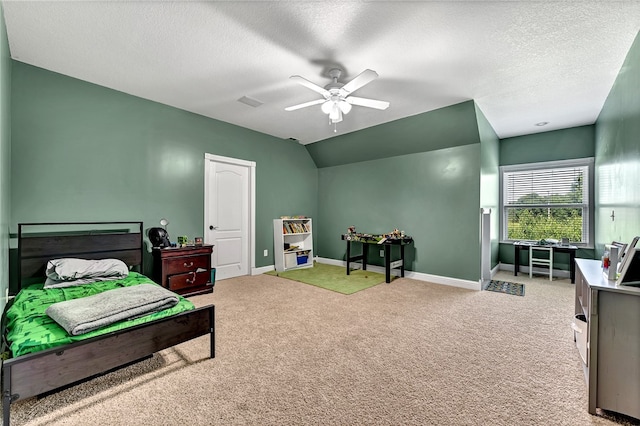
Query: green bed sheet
point(32, 330)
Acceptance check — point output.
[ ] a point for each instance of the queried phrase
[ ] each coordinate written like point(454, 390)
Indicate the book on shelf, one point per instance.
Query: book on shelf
point(294, 228)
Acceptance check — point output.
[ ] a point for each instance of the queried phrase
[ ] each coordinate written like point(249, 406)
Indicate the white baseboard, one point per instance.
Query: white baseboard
point(262, 269)
point(495, 270)
point(436, 279)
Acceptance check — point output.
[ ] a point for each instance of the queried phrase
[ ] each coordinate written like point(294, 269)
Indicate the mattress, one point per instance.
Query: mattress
point(31, 330)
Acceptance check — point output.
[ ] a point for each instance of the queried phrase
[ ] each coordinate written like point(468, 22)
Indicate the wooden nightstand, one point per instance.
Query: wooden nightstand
point(184, 270)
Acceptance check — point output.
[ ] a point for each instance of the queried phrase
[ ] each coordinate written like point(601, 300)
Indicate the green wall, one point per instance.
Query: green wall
point(565, 144)
point(82, 152)
point(617, 161)
point(489, 179)
point(419, 174)
point(447, 127)
point(5, 157)
point(85, 152)
point(432, 196)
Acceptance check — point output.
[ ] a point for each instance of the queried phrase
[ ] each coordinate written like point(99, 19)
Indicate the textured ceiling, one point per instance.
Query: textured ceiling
point(522, 62)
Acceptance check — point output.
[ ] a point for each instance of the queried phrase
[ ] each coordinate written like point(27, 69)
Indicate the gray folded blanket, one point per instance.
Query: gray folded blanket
point(80, 316)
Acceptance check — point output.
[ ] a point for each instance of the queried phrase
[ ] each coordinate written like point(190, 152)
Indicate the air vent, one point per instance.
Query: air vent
point(253, 102)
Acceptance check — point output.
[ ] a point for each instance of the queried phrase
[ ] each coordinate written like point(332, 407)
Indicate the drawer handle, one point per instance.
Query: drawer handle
point(188, 265)
point(188, 281)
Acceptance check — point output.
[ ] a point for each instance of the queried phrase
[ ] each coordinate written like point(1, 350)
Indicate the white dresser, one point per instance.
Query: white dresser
point(612, 365)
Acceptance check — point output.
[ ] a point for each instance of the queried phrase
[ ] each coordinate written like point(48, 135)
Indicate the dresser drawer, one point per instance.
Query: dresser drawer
point(184, 270)
point(191, 279)
point(178, 265)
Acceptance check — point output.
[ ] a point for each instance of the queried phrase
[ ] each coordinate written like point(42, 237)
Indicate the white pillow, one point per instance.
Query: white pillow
point(69, 271)
point(51, 283)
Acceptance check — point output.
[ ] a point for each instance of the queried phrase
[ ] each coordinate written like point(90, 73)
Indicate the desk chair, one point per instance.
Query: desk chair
point(534, 259)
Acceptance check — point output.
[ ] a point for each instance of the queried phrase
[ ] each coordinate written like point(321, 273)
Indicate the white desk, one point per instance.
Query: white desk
point(612, 368)
point(557, 248)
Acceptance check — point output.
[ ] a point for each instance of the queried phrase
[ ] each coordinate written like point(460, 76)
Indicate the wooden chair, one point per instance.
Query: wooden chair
point(546, 260)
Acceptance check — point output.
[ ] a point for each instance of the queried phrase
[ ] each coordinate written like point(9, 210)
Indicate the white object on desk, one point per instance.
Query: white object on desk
point(612, 270)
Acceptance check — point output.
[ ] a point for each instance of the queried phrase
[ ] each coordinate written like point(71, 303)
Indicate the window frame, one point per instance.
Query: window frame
point(579, 162)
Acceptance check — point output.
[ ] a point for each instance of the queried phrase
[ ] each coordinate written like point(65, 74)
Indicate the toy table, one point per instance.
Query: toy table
point(382, 241)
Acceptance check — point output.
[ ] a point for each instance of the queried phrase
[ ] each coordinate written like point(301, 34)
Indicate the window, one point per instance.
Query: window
point(547, 200)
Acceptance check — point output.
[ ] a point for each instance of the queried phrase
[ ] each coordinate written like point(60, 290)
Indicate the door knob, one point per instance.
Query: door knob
point(211, 227)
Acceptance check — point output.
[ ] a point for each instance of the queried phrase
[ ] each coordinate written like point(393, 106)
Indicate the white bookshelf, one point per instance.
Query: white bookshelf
point(297, 235)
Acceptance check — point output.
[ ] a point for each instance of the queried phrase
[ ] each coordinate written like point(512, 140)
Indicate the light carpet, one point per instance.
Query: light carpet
point(406, 353)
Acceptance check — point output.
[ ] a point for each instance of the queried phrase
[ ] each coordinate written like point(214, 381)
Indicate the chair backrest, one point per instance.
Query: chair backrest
point(541, 249)
point(547, 260)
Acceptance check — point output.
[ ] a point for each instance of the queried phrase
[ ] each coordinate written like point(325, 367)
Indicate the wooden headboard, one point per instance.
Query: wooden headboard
point(40, 242)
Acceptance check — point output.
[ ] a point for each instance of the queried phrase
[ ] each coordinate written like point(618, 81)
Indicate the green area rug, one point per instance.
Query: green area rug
point(333, 278)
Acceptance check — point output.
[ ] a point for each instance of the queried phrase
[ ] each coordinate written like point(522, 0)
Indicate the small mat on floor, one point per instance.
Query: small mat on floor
point(516, 289)
point(333, 278)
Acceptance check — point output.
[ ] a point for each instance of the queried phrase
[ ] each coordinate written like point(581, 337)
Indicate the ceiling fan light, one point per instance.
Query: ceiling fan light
point(327, 107)
point(345, 107)
point(335, 115)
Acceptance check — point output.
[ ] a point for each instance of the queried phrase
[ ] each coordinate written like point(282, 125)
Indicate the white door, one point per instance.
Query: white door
point(229, 214)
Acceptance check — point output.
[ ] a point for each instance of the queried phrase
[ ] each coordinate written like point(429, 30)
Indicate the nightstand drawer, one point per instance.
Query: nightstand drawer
point(191, 279)
point(183, 264)
point(184, 270)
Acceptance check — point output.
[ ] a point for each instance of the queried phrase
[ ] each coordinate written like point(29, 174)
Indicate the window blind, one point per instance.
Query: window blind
point(546, 200)
point(566, 185)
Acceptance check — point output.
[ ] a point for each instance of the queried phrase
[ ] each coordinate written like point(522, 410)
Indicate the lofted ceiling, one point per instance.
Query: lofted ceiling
point(522, 62)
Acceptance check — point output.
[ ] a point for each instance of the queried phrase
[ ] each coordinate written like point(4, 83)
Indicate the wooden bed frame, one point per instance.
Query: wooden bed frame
point(36, 373)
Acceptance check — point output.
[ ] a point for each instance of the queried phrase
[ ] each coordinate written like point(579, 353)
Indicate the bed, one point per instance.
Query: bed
point(38, 369)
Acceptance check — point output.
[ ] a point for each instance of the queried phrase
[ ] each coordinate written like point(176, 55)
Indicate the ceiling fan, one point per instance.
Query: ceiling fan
point(337, 99)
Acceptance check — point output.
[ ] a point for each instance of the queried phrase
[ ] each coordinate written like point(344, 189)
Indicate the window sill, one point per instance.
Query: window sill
point(580, 246)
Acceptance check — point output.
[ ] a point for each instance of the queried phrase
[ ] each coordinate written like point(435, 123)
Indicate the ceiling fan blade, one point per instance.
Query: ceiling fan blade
point(306, 83)
point(370, 103)
point(360, 80)
point(304, 105)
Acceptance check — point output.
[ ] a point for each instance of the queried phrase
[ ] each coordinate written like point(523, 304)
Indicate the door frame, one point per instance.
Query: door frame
point(251, 166)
